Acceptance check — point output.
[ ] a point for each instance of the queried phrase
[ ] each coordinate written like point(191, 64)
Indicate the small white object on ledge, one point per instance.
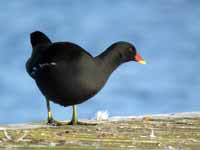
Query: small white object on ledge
point(102, 115)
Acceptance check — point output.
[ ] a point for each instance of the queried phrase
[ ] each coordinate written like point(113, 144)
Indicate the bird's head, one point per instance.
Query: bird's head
point(128, 52)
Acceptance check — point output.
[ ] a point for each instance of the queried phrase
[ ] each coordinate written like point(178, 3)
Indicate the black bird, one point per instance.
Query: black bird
point(68, 75)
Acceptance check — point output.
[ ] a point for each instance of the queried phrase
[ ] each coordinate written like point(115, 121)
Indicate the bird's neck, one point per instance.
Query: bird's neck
point(109, 60)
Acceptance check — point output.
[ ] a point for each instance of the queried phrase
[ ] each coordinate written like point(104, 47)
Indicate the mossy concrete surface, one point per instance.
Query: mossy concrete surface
point(166, 133)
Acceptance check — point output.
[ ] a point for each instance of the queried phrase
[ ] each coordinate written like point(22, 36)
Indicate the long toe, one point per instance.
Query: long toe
point(82, 123)
point(53, 122)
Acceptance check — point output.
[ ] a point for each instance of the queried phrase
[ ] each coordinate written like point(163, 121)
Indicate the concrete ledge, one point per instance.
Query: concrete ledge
point(163, 131)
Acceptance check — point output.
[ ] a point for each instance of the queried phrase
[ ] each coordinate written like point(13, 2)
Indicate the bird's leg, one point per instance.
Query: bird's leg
point(49, 111)
point(75, 121)
point(50, 119)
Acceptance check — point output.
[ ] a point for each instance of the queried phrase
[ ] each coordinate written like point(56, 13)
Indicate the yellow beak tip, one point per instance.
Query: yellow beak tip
point(142, 62)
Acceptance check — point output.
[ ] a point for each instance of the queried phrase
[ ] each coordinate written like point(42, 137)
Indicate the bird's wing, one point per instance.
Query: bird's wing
point(63, 51)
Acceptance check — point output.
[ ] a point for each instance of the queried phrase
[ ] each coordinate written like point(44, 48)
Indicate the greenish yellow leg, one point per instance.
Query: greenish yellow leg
point(74, 116)
point(50, 119)
point(75, 121)
point(49, 110)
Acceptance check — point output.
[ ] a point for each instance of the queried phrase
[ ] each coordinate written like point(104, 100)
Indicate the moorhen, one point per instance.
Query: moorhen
point(68, 75)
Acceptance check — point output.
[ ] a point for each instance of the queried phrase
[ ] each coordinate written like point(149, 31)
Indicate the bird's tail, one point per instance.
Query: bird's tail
point(38, 38)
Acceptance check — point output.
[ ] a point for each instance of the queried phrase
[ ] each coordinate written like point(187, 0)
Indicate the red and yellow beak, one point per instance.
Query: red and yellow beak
point(139, 59)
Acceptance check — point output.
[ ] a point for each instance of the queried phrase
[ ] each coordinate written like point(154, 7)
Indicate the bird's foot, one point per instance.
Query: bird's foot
point(81, 123)
point(53, 122)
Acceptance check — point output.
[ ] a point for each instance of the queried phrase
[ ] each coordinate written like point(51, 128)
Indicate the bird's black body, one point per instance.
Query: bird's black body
point(67, 74)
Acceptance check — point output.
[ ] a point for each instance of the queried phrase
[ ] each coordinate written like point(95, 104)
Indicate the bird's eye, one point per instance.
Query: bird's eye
point(131, 50)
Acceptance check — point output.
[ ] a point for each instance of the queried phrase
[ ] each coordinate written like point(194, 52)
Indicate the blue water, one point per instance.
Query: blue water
point(166, 34)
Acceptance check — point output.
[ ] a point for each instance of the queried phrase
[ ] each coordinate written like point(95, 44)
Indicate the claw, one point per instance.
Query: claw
point(81, 123)
point(54, 123)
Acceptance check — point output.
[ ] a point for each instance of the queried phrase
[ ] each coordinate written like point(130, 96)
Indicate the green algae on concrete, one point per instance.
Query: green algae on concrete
point(145, 133)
